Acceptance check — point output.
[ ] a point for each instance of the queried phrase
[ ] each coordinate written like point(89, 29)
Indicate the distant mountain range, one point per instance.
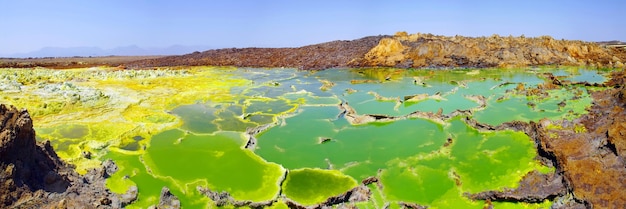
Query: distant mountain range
point(131, 50)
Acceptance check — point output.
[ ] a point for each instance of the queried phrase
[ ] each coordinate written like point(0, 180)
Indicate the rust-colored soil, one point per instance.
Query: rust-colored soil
point(592, 159)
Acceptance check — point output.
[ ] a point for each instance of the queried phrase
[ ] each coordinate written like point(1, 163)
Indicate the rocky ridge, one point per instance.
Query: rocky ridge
point(404, 50)
point(33, 176)
point(401, 50)
point(432, 51)
point(319, 56)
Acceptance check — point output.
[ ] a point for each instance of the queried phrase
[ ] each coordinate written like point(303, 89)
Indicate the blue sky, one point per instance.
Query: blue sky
point(28, 25)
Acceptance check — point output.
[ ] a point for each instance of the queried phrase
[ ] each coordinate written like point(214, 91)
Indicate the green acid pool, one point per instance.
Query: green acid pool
point(188, 128)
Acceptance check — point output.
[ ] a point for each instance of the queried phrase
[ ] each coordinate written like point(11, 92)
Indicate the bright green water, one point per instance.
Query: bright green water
point(416, 160)
point(357, 150)
point(216, 159)
point(310, 186)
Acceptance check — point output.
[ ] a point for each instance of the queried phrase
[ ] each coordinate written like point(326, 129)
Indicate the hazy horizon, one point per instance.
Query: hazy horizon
point(30, 25)
point(90, 51)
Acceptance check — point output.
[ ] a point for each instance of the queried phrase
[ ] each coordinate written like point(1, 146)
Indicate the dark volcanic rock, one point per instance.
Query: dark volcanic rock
point(319, 56)
point(357, 194)
point(32, 175)
point(409, 205)
point(534, 187)
point(25, 165)
point(219, 198)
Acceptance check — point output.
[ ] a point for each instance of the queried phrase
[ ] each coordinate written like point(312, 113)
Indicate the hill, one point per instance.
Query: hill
point(410, 51)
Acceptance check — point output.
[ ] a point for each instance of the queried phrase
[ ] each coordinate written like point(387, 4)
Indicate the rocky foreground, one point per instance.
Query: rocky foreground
point(33, 176)
point(410, 51)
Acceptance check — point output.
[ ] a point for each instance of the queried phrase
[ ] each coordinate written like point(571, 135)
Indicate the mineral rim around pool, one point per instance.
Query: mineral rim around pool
point(190, 128)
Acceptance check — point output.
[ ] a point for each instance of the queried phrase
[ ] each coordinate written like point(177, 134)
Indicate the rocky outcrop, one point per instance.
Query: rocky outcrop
point(586, 149)
point(432, 51)
point(358, 194)
point(32, 175)
point(408, 205)
point(616, 133)
point(167, 200)
point(25, 165)
point(534, 187)
point(224, 198)
point(252, 132)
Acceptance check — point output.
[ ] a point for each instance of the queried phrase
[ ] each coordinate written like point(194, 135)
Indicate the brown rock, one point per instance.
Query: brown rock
point(357, 194)
point(427, 50)
point(223, 198)
point(33, 176)
point(409, 205)
point(592, 161)
point(313, 57)
point(534, 187)
point(369, 180)
point(28, 165)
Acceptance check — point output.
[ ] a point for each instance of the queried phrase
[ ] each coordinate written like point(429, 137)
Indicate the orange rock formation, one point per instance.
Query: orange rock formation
point(427, 50)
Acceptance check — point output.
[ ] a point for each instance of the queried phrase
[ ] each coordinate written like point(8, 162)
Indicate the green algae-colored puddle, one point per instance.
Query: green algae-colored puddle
point(216, 159)
point(310, 186)
point(185, 128)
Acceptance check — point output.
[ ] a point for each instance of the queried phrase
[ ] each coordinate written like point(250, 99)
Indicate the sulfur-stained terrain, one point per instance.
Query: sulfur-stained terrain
point(196, 137)
point(403, 121)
